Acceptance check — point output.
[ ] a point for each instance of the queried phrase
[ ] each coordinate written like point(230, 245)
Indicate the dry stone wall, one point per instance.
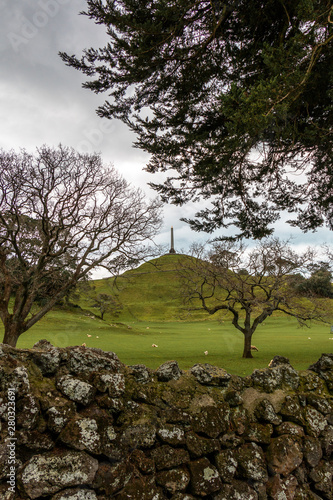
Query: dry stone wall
point(77, 424)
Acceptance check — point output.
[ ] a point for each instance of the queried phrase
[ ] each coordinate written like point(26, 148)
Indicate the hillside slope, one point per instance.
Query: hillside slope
point(150, 292)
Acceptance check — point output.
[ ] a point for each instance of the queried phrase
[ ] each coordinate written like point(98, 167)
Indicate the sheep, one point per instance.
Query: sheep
point(206, 353)
point(154, 345)
point(254, 348)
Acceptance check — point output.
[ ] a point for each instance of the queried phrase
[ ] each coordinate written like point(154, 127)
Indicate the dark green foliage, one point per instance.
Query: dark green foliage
point(319, 283)
point(234, 97)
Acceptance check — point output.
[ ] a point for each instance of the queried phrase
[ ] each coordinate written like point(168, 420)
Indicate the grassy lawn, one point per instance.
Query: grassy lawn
point(185, 341)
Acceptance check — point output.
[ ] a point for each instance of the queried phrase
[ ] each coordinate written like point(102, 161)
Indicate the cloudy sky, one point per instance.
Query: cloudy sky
point(42, 102)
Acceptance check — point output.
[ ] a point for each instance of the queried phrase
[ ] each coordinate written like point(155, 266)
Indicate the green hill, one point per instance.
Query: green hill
point(150, 292)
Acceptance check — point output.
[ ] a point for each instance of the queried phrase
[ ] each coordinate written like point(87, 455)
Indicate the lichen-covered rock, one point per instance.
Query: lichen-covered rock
point(284, 455)
point(233, 398)
point(140, 460)
point(292, 410)
point(207, 374)
point(141, 488)
point(174, 480)
point(319, 403)
point(324, 368)
point(259, 433)
point(88, 360)
point(75, 494)
point(238, 490)
point(168, 371)
point(238, 420)
point(76, 390)
point(59, 414)
point(281, 488)
point(271, 379)
point(174, 437)
point(199, 446)
point(47, 358)
point(205, 478)
point(82, 434)
point(35, 440)
point(265, 412)
point(268, 380)
point(171, 434)
point(226, 463)
point(112, 383)
point(279, 360)
point(312, 451)
point(51, 472)
point(27, 412)
point(137, 436)
point(141, 373)
point(326, 440)
point(314, 421)
point(322, 476)
point(167, 457)
point(16, 377)
point(211, 421)
point(112, 478)
point(290, 428)
point(251, 462)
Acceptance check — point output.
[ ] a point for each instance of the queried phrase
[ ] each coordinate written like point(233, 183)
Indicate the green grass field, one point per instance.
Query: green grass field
point(185, 341)
point(153, 313)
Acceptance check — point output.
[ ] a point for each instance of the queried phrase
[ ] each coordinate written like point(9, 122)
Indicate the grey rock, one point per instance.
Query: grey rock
point(279, 360)
point(141, 373)
point(226, 462)
point(205, 478)
point(88, 360)
point(324, 368)
point(168, 371)
point(51, 472)
point(112, 383)
point(171, 434)
point(207, 374)
point(251, 462)
point(27, 412)
point(274, 378)
point(315, 422)
point(265, 412)
point(59, 415)
point(76, 390)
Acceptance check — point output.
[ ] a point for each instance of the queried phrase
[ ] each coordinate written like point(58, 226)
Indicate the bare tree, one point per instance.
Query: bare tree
point(251, 285)
point(63, 214)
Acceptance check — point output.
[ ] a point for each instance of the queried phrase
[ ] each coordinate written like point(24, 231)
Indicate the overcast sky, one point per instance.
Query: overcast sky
point(42, 102)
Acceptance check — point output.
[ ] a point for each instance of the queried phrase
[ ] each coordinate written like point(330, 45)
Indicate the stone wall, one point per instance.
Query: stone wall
point(77, 424)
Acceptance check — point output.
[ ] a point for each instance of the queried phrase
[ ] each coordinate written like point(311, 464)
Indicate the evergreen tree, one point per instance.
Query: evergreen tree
point(233, 97)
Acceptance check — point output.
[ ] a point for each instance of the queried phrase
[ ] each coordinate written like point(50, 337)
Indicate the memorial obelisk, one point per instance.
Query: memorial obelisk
point(172, 249)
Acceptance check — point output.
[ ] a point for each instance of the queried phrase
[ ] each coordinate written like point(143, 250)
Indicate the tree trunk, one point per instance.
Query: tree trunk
point(247, 345)
point(12, 333)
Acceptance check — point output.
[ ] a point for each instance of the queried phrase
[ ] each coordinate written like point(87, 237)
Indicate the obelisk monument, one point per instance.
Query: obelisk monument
point(172, 249)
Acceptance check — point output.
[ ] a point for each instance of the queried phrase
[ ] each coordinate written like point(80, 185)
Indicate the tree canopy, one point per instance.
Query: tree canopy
point(63, 214)
point(232, 99)
point(250, 285)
